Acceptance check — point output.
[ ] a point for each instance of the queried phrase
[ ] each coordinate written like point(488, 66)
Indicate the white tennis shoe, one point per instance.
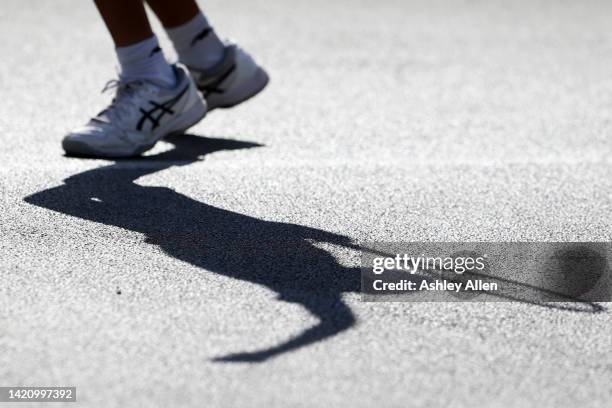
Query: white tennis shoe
point(236, 78)
point(140, 114)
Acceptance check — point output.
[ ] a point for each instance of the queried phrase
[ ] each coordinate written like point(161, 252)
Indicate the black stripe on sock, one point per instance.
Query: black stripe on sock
point(154, 51)
point(202, 35)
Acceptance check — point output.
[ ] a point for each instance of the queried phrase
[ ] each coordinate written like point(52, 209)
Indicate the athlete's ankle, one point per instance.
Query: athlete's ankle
point(196, 43)
point(145, 61)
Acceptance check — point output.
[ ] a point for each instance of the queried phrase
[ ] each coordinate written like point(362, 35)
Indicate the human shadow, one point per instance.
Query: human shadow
point(283, 257)
point(280, 256)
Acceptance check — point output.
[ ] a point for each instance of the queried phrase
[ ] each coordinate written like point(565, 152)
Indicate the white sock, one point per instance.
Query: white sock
point(196, 43)
point(145, 60)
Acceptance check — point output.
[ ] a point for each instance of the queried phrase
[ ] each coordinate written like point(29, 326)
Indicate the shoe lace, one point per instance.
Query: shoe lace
point(125, 100)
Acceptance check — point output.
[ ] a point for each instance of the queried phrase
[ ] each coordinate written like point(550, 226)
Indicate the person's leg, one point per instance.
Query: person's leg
point(174, 13)
point(152, 99)
point(138, 51)
point(225, 73)
point(195, 41)
point(126, 21)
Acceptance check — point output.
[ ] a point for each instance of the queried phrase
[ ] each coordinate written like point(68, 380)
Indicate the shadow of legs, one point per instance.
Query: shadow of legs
point(279, 256)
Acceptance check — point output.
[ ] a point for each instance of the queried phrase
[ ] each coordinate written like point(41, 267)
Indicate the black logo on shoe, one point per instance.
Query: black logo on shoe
point(214, 86)
point(159, 111)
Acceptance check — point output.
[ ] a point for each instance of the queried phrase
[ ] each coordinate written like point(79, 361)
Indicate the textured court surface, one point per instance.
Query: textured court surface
point(199, 276)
